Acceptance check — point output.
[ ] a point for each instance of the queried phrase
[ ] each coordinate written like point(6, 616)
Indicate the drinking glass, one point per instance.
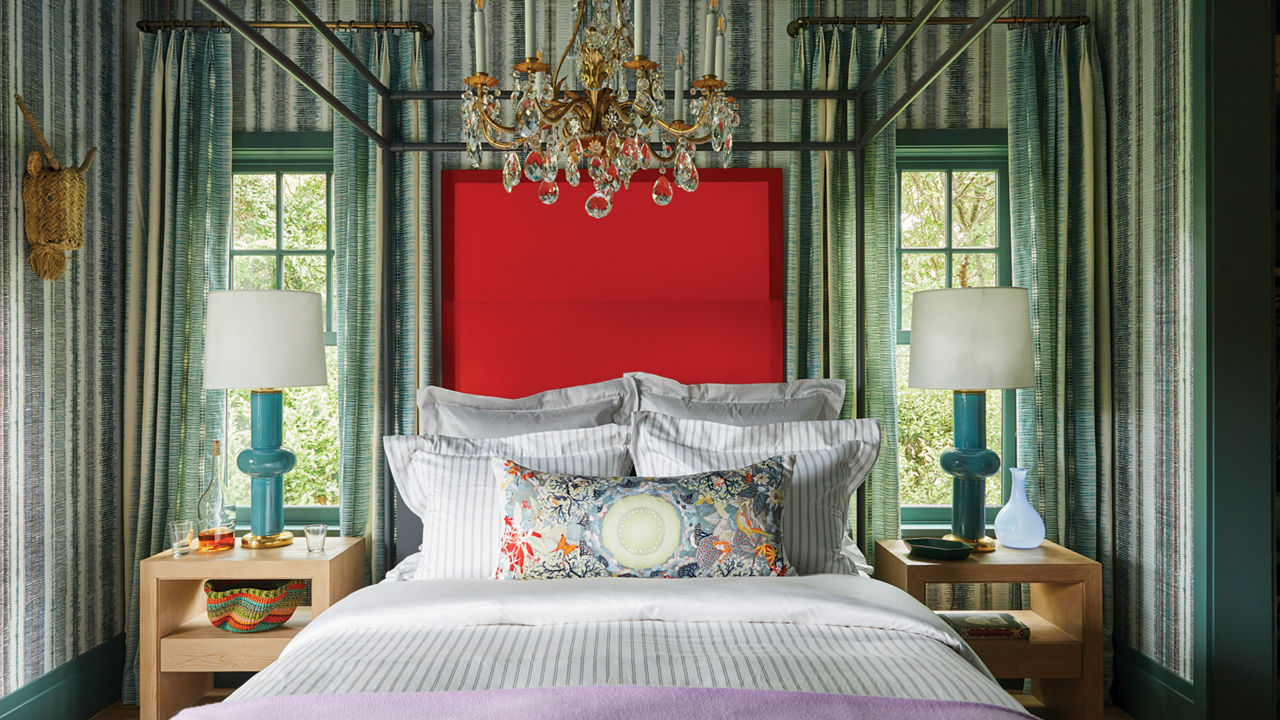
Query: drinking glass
point(180, 533)
point(315, 537)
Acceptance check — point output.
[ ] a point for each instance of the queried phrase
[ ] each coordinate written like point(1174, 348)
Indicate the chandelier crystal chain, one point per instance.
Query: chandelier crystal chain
point(613, 122)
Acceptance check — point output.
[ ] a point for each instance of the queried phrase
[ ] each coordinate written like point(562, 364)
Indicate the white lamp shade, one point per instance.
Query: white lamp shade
point(263, 339)
point(971, 339)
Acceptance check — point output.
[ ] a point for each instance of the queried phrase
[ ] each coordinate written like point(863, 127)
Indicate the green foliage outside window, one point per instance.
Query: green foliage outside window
point(289, 252)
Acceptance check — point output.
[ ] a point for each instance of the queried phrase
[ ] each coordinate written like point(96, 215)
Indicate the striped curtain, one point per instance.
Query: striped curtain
point(1062, 253)
point(359, 196)
point(820, 246)
point(179, 210)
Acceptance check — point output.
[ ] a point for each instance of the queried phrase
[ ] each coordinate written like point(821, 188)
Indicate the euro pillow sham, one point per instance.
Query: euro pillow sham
point(448, 483)
point(744, 404)
point(459, 414)
point(832, 459)
point(714, 524)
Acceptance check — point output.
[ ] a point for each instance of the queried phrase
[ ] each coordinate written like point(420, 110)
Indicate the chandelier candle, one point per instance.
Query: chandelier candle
point(530, 39)
point(482, 64)
point(720, 49)
point(680, 85)
point(709, 44)
point(638, 24)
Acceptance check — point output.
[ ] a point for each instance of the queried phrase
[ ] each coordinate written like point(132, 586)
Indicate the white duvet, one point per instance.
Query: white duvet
point(818, 633)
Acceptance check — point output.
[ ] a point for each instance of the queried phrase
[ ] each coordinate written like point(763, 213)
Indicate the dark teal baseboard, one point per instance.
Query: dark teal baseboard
point(1146, 690)
point(76, 690)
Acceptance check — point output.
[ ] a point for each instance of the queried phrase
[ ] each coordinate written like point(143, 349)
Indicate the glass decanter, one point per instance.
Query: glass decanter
point(216, 515)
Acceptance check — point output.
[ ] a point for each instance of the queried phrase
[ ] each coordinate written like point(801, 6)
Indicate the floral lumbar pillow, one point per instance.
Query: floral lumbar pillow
point(712, 524)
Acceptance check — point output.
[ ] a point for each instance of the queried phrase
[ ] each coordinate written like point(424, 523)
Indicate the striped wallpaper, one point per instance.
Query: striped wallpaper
point(60, 561)
point(1146, 51)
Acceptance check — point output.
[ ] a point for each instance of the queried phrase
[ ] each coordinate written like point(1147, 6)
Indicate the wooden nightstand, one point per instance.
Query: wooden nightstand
point(1064, 655)
point(180, 650)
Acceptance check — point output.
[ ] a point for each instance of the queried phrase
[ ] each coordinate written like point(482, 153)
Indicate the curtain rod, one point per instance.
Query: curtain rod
point(150, 26)
point(795, 26)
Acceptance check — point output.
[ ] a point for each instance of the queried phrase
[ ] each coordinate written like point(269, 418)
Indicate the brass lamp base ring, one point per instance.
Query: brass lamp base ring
point(983, 544)
point(262, 542)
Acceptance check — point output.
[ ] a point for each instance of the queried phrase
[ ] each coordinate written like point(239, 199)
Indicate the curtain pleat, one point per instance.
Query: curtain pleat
point(179, 193)
point(821, 247)
point(359, 196)
point(1061, 252)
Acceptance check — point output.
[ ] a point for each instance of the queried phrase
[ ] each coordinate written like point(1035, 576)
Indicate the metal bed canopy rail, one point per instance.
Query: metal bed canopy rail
point(150, 26)
point(795, 26)
point(864, 133)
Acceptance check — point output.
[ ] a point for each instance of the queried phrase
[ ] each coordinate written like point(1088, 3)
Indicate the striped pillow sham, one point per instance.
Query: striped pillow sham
point(833, 458)
point(459, 414)
point(744, 404)
point(449, 483)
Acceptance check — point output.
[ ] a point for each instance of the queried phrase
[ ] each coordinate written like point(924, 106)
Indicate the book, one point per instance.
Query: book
point(986, 625)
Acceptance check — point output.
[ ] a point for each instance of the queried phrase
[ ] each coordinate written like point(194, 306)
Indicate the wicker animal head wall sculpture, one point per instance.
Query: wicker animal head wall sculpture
point(53, 205)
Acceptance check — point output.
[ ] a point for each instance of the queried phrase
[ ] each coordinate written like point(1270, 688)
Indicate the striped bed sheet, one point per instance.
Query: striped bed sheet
point(824, 634)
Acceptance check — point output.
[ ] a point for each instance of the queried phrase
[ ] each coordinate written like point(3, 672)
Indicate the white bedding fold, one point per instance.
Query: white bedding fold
point(839, 600)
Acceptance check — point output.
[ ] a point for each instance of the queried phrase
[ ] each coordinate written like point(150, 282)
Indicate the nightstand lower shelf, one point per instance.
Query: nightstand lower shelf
point(198, 646)
point(1050, 652)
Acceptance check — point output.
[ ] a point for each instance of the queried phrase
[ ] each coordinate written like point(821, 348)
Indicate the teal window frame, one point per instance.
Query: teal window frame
point(283, 153)
point(953, 151)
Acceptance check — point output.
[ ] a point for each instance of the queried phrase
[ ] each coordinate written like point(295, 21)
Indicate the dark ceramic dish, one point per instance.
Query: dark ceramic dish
point(938, 549)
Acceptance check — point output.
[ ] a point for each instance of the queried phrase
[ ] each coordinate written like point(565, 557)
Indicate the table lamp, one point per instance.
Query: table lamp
point(970, 340)
point(264, 340)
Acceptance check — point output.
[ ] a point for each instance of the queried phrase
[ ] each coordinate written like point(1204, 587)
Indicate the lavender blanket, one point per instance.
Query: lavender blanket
point(599, 703)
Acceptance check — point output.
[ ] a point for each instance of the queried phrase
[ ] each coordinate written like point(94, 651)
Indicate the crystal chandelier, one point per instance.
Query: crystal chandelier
point(613, 124)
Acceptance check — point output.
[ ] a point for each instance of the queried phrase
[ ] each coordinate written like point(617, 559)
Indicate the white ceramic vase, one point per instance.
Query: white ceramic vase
point(1018, 525)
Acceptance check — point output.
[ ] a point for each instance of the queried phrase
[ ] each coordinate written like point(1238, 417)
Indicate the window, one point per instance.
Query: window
point(281, 239)
point(953, 231)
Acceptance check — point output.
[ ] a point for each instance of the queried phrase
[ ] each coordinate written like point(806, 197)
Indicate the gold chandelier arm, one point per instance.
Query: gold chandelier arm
point(487, 123)
point(685, 134)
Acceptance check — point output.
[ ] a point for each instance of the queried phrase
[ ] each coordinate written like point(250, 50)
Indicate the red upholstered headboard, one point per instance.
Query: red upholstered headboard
point(537, 297)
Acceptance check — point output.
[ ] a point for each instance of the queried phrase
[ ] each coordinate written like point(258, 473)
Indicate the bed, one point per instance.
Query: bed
point(829, 642)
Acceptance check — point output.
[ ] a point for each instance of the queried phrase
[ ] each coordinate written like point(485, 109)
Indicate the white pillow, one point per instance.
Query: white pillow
point(833, 458)
point(748, 404)
point(448, 483)
point(459, 414)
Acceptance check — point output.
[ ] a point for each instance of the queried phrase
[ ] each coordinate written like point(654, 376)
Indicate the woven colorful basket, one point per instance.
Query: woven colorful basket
point(246, 607)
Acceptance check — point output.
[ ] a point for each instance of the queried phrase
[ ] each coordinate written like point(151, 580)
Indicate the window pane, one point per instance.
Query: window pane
point(253, 212)
point(924, 209)
point(995, 417)
point(924, 430)
point(311, 431)
point(973, 209)
point(254, 272)
point(920, 271)
point(238, 439)
point(973, 270)
point(305, 212)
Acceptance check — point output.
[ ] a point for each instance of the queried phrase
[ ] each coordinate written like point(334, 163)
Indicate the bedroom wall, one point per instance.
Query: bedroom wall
point(1146, 50)
point(60, 566)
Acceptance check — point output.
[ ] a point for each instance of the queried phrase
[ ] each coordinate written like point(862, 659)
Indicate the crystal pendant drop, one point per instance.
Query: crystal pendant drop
point(571, 174)
point(599, 205)
point(662, 191)
point(548, 192)
point(686, 172)
point(511, 171)
point(533, 166)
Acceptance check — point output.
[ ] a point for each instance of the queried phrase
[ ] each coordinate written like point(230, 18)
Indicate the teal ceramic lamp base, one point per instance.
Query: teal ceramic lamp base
point(266, 462)
point(970, 463)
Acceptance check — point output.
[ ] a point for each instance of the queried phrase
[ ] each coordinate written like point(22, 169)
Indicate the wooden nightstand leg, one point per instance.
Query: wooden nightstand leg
point(164, 606)
point(1077, 609)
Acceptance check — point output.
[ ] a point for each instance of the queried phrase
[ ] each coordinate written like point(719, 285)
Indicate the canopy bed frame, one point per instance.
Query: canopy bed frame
point(389, 146)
